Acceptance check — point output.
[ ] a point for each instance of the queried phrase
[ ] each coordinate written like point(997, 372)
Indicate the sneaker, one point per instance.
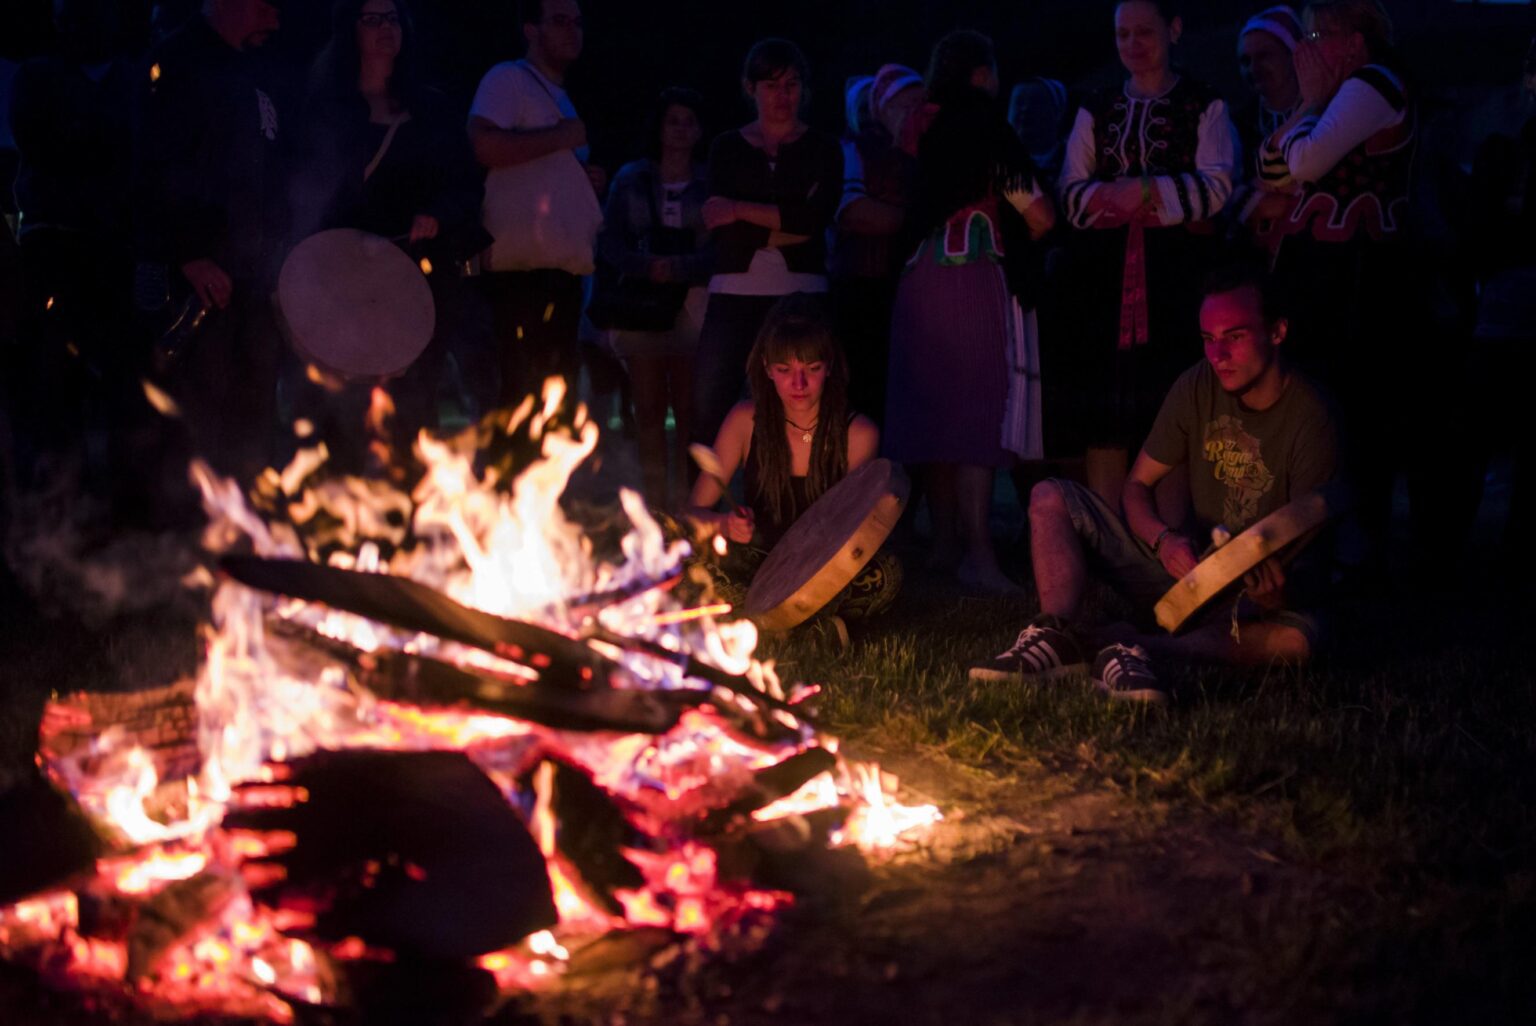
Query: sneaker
point(1044, 649)
point(1124, 673)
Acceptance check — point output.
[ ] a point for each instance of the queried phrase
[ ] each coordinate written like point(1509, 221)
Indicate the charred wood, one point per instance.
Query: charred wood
point(417, 852)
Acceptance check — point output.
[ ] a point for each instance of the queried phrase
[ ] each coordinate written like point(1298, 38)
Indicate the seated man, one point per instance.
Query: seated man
point(1253, 436)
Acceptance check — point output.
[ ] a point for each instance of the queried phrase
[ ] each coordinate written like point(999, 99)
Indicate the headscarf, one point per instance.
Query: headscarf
point(1279, 21)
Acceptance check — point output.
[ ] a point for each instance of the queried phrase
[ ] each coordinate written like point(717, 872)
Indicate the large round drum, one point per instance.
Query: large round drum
point(827, 546)
point(355, 304)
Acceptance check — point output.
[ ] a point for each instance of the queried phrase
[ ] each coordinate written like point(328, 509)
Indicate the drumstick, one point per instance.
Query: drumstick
point(709, 463)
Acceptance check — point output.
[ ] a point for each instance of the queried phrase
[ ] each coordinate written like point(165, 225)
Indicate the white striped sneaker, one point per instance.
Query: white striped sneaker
point(1124, 673)
point(1044, 649)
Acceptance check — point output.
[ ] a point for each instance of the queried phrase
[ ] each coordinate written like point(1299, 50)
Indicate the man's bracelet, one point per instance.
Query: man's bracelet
point(1158, 542)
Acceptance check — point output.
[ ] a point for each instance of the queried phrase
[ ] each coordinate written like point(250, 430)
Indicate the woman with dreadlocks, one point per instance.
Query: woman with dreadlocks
point(793, 440)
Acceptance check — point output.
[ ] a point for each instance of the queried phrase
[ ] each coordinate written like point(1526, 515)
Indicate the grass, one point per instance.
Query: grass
point(1401, 770)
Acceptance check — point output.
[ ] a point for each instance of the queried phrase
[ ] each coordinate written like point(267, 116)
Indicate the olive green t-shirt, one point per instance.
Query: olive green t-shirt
point(1243, 464)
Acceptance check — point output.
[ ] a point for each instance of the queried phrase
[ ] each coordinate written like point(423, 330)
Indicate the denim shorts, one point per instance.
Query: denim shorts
point(1126, 563)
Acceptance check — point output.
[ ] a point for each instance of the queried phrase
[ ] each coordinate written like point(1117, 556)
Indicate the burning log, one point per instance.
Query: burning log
point(591, 833)
point(173, 915)
point(416, 852)
point(771, 784)
point(432, 683)
point(409, 605)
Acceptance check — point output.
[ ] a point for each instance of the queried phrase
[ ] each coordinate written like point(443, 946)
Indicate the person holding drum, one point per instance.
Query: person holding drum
point(793, 441)
point(1254, 436)
point(384, 154)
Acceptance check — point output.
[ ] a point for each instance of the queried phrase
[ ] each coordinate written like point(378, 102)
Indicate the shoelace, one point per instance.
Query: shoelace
point(1134, 660)
point(1026, 638)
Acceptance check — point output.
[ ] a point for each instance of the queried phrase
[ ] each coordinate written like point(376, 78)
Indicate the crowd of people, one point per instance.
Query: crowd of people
point(962, 285)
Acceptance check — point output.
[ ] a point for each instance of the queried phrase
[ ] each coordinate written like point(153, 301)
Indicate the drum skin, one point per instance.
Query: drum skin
point(355, 304)
point(827, 546)
point(1268, 537)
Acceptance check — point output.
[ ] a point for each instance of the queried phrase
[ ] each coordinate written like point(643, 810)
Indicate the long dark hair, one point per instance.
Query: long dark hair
point(333, 76)
point(798, 327)
point(955, 58)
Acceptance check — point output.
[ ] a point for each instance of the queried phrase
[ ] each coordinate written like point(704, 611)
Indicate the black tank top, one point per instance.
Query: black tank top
point(770, 527)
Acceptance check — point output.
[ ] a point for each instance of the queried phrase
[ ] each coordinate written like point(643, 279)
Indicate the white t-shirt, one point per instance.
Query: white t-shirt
point(543, 214)
point(672, 203)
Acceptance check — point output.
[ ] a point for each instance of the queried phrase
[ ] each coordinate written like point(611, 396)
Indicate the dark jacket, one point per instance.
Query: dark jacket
point(805, 184)
point(210, 169)
point(428, 169)
point(628, 218)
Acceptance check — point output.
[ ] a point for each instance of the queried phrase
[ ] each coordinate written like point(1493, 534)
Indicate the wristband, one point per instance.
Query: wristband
point(1158, 542)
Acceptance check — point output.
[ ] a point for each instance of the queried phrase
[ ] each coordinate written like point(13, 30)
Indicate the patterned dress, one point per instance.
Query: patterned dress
point(964, 384)
point(1135, 286)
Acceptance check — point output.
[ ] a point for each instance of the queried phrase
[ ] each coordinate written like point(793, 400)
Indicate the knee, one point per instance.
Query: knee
point(1046, 500)
point(1290, 645)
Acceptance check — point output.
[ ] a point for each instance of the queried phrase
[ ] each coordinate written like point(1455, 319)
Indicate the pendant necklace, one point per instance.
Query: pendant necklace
point(806, 432)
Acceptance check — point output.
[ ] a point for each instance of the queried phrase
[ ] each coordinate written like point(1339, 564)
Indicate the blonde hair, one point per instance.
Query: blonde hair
point(1367, 17)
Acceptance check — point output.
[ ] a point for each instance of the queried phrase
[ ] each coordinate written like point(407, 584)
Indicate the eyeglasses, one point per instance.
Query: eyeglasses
point(1318, 35)
point(374, 20)
point(566, 21)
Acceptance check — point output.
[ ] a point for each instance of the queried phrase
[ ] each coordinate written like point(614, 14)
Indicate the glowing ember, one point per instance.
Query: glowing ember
point(177, 909)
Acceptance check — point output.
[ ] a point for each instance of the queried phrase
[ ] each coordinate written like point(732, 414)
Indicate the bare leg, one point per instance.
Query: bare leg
point(1104, 471)
point(942, 499)
point(973, 488)
point(648, 379)
point(680, 386)
point(1061, 568)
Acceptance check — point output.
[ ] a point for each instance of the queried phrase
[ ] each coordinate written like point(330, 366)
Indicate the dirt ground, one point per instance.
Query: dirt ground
point(1040, 899)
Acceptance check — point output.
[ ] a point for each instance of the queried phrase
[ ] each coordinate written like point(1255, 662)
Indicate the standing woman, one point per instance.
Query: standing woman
point(1148, 167)
point(774, 186)
point(1348, 149)
point(387, 155)
point(964, 392)
point(653, 232)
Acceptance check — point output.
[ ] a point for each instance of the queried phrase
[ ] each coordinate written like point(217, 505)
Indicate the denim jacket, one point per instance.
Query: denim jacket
point(627, 220)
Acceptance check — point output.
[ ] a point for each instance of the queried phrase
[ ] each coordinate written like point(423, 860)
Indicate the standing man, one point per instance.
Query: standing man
point(540, 204)
point(1254, 435)
point(212, 209)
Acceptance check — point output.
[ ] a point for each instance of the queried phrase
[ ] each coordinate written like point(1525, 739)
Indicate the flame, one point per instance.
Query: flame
point(504, 546)
point(425, 265)
point(160, 400)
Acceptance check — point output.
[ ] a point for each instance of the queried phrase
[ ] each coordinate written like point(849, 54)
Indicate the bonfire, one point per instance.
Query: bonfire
point(439, 727)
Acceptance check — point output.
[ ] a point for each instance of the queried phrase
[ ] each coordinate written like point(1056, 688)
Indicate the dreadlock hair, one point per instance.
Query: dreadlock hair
point(798, 327)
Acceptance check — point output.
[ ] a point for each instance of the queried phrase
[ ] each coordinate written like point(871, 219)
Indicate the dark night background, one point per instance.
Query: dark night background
point(635, 47)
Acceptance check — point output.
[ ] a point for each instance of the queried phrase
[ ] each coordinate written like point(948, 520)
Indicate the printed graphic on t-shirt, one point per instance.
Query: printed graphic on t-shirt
point(1239, 465)
point(268, 115)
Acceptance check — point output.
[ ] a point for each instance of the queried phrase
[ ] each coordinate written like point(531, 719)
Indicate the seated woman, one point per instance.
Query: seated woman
point(793, 440)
